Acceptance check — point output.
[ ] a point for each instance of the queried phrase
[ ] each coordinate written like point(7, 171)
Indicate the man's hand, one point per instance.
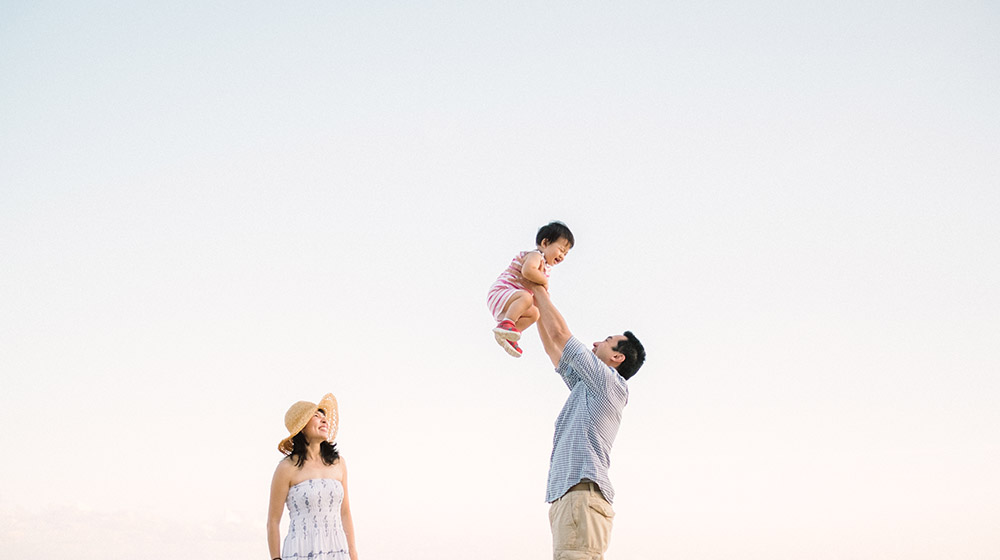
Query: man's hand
point(532, 286)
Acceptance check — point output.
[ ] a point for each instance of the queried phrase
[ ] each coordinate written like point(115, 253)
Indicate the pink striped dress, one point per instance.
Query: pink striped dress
point(508, 283)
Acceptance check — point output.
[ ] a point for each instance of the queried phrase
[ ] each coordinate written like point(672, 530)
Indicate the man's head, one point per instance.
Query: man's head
point(623, 352)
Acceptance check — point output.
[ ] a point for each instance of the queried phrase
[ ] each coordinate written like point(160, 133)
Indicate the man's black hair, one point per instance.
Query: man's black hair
point(634, 353)
point(553, 231)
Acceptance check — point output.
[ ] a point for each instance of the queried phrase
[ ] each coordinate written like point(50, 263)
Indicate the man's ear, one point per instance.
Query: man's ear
point(617, 358)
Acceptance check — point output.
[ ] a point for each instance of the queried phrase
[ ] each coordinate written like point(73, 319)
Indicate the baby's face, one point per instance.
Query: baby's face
point(555, 251)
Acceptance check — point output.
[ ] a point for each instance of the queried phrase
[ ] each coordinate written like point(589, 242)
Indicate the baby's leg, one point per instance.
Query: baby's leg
point(527, 318)
point(506, 332)
point(518, 305)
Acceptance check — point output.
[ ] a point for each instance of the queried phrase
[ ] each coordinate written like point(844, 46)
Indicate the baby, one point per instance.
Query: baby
point(511, 303)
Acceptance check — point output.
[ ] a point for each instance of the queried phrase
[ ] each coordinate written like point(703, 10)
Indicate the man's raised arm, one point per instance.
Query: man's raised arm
point(552, 328)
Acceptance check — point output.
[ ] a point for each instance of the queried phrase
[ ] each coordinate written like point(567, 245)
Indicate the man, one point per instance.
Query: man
point(579, 490)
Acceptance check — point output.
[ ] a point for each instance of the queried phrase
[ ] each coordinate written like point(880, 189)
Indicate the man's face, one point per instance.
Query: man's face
point(605, 352)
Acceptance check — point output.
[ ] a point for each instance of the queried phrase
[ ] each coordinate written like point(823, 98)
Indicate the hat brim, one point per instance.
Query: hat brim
point(329, 406)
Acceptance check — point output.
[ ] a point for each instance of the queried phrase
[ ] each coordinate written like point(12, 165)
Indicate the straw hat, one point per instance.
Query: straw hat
point(300, 413)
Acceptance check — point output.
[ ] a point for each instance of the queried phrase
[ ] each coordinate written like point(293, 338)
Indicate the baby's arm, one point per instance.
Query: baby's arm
point(531, 269)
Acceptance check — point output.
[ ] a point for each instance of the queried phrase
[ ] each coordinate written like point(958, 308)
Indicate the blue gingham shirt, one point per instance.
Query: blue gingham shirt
point(588, 423)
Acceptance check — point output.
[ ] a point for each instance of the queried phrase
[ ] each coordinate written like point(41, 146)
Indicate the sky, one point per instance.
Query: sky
point(209, 211)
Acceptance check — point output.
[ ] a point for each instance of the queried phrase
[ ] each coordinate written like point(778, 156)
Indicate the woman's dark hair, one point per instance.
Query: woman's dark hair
point(327, 450)
point(553, 231)
point(634, 353)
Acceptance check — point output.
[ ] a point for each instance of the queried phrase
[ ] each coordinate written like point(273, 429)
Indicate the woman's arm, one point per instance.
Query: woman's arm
point(531, 269)
point(345, 516)
point(276, 506)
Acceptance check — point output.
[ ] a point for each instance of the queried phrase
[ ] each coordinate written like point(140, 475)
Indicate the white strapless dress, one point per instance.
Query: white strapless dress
point(315, 530)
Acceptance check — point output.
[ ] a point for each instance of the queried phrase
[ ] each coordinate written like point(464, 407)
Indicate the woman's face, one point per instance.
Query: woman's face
point(317, 428)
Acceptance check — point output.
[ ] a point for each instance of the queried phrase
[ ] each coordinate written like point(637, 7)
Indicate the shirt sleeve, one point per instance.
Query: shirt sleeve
point(578, 363)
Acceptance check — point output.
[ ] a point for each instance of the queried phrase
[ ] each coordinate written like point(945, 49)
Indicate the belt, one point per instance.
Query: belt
point(585, 485)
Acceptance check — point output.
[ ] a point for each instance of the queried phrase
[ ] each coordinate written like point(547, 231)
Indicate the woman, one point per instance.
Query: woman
point(312, 481)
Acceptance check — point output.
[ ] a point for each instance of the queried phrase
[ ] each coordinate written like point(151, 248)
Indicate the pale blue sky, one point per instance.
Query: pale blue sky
point(208, 212)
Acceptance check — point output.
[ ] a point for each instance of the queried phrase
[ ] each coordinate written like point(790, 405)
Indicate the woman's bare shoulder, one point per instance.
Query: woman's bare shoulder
point(284, 467)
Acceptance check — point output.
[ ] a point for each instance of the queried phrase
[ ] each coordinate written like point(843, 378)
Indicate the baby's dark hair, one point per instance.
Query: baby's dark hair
point(553, 231)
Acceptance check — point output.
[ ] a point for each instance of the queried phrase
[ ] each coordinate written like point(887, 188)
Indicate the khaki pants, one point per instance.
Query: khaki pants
point(581, 525)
